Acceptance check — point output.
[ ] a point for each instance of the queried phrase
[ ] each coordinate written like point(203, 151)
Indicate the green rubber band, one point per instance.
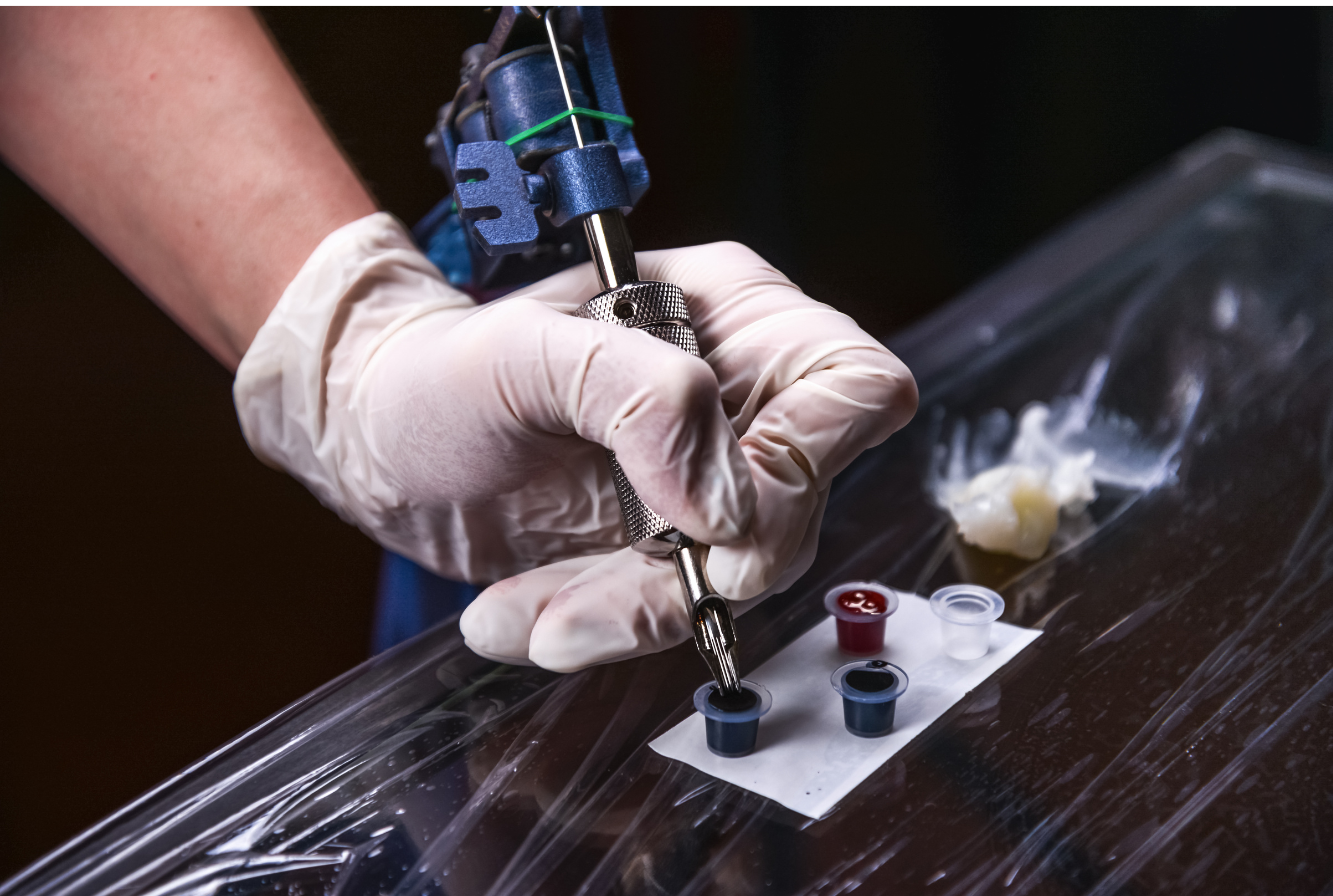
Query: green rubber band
point(556, 119)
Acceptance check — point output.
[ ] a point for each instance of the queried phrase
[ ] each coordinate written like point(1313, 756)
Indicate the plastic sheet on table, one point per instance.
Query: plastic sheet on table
point(1168, 734)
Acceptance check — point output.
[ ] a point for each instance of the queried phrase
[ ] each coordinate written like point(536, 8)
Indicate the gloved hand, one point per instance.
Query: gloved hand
point(470, 439)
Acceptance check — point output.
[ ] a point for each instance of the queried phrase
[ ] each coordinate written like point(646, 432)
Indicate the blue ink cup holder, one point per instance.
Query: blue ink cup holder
point(870, 690)
point(732, 724)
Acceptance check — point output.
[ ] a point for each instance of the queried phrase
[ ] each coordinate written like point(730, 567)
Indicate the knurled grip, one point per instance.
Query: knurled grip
point(658, 309)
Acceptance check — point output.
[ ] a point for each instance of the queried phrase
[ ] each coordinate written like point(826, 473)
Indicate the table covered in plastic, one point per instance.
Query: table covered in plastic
point(1170, 733)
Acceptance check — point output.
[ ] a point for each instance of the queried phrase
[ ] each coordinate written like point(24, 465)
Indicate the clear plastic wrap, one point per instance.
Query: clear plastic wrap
point(1168, 734)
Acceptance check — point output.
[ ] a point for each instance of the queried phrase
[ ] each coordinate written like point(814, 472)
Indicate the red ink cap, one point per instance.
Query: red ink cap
point(863, 602)
point(861, 609)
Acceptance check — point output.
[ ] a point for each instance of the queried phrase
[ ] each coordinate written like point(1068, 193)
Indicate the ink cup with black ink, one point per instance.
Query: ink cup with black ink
point(966, 613)
point(731, 721)
point(870, 690)
point(861, 609)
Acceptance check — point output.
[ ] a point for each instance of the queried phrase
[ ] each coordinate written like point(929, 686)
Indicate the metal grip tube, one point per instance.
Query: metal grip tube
point(658, 309)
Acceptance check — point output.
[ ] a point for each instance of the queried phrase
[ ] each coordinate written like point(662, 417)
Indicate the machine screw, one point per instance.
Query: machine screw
point(624, 309)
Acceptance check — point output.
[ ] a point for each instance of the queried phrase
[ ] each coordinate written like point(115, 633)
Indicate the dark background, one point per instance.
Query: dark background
point(163, 591)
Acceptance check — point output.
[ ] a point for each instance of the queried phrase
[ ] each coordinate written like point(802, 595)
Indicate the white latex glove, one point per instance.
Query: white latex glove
point(470, 439)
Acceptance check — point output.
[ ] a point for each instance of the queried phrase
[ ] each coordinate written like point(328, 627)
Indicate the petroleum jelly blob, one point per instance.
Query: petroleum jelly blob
point(1014, 507)
point(1009, 509)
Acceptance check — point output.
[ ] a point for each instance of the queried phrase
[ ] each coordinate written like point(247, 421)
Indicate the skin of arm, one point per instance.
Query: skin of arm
point(181, 144)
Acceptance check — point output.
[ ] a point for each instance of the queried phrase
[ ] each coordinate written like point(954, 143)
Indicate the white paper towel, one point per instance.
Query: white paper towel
point(805, 758)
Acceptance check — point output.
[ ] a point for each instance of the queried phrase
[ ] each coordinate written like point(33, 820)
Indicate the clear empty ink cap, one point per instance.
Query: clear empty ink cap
point(966, 613)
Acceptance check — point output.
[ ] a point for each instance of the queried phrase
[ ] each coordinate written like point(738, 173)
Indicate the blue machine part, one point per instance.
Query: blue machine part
point(522, 90)
point(441, 236)
point(493, 197)
point(411, 599)
point(518, 176)
point(579, 182)
point(602, 73)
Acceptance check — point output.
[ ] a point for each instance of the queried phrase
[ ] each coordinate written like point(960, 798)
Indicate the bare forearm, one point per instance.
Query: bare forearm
point(179, 142)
